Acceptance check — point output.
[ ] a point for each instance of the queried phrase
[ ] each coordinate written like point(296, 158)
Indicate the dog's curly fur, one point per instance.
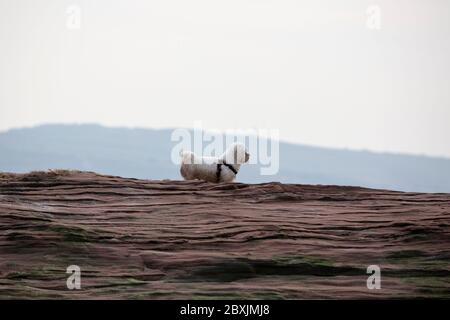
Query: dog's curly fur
point(206, 168)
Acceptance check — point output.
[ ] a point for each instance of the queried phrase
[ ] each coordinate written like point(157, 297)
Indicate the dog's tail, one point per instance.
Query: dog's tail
point(187, 157)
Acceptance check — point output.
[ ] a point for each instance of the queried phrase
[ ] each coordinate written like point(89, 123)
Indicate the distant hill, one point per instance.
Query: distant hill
point(145, 154)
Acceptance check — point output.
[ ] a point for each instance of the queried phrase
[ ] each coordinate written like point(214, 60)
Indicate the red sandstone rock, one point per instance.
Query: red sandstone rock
point(143, 239)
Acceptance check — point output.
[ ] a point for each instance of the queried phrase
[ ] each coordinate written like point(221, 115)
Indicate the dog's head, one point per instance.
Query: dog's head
point(236, 154)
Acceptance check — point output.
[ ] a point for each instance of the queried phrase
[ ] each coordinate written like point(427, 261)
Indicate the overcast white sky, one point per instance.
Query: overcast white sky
point(311, 69)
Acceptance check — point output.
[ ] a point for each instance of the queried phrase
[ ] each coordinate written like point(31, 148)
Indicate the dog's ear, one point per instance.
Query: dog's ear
point(236, 154)
point(240, 155)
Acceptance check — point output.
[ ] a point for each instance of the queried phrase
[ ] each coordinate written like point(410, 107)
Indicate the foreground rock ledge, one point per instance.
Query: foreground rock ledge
point(139, 239)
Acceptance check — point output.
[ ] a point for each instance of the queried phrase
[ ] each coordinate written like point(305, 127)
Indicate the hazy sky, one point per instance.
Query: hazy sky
point(312, 69)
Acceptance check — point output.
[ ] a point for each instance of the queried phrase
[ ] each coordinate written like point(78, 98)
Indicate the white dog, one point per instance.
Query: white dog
point(214, 169)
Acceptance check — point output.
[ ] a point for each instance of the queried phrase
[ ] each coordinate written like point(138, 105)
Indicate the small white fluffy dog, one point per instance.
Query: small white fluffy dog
point(214, 169)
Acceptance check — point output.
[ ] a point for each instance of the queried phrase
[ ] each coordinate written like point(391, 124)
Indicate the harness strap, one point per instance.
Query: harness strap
point(229, 166)
point(219, 170)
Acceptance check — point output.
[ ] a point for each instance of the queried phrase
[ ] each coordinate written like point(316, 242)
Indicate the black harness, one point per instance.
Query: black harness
point(219, 169)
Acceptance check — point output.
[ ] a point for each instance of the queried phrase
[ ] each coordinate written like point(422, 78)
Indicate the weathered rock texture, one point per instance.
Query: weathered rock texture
point(138, 239)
